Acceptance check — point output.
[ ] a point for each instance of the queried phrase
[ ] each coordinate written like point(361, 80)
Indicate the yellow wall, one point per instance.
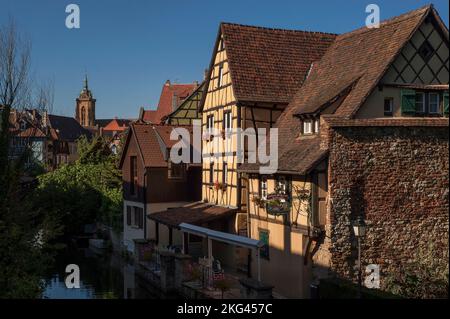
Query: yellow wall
point(285, 268)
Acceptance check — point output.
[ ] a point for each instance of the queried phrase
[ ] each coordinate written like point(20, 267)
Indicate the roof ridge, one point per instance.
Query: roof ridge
point(389, 21)
point(277, 29)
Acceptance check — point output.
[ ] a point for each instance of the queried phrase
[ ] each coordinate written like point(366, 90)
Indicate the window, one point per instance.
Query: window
point(23, 125)
point(263, 187)
point(220, 79)
point(316, 126)
point(210, 124)
point(227, 124)
point(133, 175)
point(388, 106)
point(420, 102)
point(264, 237)
point(225, 174)
point(281, 185)
point(433, 103)
point(307, 127)
point(211, 173)
point(176, 171)
point(138, 217)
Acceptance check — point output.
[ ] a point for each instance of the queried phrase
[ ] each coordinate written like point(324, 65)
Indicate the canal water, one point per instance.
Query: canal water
point(102, 276)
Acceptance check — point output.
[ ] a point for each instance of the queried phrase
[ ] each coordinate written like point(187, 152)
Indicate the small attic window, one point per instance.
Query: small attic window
point(426, 51)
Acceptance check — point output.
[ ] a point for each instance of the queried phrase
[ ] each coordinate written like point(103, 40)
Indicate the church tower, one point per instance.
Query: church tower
point(85, 110)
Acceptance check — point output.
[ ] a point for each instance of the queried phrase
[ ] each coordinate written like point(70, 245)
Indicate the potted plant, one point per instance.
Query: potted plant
point(278, 204)
point(259, 201)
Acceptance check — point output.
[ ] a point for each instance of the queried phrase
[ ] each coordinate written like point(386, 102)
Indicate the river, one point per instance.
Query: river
point(102, 276)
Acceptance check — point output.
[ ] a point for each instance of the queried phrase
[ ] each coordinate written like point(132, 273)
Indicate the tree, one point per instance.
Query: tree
point(88, 191)
point(25, 235)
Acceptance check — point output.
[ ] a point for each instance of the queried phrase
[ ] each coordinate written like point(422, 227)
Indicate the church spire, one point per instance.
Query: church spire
point(86, 83)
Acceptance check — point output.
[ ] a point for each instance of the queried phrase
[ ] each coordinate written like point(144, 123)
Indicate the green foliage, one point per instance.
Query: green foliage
point(87, 191)
point(424, 277)
point(25, 233)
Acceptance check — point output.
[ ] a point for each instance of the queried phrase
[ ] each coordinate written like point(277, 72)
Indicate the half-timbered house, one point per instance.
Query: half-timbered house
point(385, 85)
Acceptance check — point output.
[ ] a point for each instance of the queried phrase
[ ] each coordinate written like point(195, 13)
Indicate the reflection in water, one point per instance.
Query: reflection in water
point(102, 276)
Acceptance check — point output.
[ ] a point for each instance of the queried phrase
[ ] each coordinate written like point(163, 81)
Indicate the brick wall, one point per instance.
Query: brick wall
point(397, 178)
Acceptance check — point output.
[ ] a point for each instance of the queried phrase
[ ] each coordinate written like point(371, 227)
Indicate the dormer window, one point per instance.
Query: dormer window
point(307, 127)
point(316, 126)
point(23, 125)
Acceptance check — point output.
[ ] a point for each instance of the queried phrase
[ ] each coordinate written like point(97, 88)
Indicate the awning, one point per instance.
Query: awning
point(221, 236)
point(196, 213)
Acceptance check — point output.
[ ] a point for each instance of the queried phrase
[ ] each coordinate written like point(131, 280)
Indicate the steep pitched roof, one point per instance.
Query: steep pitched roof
point(354, 64)
point(148, 145)
point(169, 92)
point(359, 58)
point(67, 128)
point(153, 141)
point(269, 65)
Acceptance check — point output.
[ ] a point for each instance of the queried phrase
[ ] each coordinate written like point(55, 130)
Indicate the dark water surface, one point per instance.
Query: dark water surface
point(102, 276)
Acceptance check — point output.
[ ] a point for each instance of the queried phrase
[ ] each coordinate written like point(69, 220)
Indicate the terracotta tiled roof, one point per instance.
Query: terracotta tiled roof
point(269, 65)
point(193, 213)
point(149, 145)
point(296, 157)
point(351, 67)
point(153, 141)
point(116, 125)
point(165, 105)
point(361, 58)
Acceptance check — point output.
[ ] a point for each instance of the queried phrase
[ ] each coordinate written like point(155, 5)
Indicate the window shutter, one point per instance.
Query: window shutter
point(408, 101)
point(128, 215)
point(445, 103)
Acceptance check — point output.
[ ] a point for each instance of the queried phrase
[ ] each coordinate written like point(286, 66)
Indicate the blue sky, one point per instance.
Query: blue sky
point(130, 48)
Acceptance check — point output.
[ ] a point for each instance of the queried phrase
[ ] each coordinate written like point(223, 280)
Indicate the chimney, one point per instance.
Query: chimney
point(205, 74)
point(174, 101)
point(196, 83)
point(167, 83)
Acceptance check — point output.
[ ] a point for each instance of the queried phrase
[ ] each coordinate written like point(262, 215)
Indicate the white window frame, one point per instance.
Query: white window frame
point(391, 105)
point(210, 120)
point(228, 121)
point(316, 126)
point(263, 187)
point(307, 127)
point(282, 184)
point(225, 173)
point(437, 102)
point(423, 102)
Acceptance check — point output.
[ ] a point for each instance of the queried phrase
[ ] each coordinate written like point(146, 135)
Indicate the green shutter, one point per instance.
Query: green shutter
point(446, 103)
point(408, 101)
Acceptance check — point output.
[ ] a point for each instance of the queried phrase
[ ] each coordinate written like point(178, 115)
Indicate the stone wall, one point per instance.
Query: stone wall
point(397, 178)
